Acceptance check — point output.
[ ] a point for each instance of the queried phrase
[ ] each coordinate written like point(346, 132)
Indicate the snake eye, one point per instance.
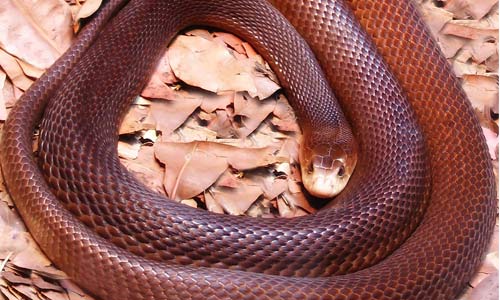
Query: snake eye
point(341, 171)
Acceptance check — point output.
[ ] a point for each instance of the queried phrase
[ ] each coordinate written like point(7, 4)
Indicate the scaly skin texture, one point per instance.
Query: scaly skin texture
point(422, 195)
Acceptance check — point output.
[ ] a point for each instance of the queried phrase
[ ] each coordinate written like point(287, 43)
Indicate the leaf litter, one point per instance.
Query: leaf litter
point(211, 125)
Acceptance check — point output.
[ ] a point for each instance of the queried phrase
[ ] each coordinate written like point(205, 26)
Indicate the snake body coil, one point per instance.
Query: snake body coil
point(412, 224)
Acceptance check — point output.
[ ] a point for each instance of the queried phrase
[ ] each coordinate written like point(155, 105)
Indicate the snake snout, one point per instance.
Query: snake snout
point(325, 177)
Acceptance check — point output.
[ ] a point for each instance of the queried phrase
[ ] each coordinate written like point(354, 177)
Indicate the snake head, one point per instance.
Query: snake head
point(326, 169)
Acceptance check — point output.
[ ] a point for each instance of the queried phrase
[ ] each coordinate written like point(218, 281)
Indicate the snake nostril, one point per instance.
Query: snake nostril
point(310, 168)
point(341, 171)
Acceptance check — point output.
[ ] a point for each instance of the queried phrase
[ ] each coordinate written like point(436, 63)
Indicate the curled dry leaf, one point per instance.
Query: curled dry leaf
point(492, 141)
point(10, 65)
point(245, 188)
point(32, 258)
point(284, 117)
point(147, 169)
point(169, 115)
point(189, 170)
point(215, 68)
point(74, 291)
point(470, 29)
point(8, 293)
point(220, 122)
point(26, 291)
point(14, 278)
point(464, 8)
point(211, 101)
point(287, 210)
point(272, 187)
point(135, 119)
point(35, 32)
point(88, 8)
point(190, 131)
point(487, 289)
point(129, 149)
point(44, 285)
point(3, 106)
point(30, 70)
point(212, 204)
point(236, 201)
point(162, 77)
point(12, 232)
point(199, 32)
point(290, 149)
point(156, 88)
point(435, 17)
point(252, 112)
point(10, 93)
point(481, 90)
point(233, 41)
point(164, 71)
point(242, 158)
point(482, 50)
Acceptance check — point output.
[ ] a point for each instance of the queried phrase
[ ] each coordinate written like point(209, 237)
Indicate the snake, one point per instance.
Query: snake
point(370, 87)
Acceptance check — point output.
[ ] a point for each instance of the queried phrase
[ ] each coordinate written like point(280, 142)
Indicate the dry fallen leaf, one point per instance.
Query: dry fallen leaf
point(481, 90)
point(284, 117)
point(487, 290)
point(12, 68)
point(12, 232)
point(3, 106)
point(36, 32)
point(88, 8)
point(251, 112)
point(135, 118)
point(215, 68)
point(435, 17)
point(236, 201)
point(464, 8)
point(147, 169)
point(492, 142)
point(10, 93)
point(188, 169)
point(193, 167)
point(169, 115)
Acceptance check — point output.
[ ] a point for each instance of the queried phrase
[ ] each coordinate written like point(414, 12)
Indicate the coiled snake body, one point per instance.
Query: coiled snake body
point(413, 222)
